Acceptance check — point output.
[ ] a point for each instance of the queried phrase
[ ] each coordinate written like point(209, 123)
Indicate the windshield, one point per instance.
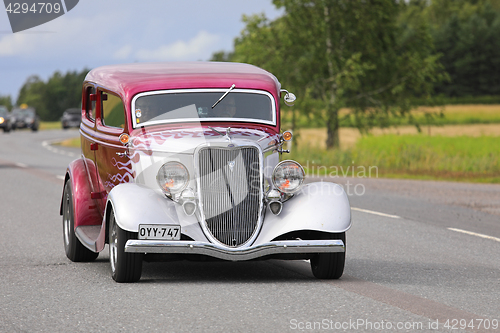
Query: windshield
point(196, 105)
point(23, 112)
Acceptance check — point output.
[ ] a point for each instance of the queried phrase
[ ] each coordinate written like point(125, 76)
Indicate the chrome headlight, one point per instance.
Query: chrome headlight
point(288, 176)
point(172, 177)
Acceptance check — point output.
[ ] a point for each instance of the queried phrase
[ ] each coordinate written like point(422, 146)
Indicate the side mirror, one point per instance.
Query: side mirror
point(289, 98)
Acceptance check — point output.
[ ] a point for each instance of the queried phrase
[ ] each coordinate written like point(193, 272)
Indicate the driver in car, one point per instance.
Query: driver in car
point(226, 108)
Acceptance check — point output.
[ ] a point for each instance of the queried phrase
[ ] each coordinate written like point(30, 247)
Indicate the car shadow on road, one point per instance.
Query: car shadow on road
point(217, 271)
point(185, 271)
point(266, 271)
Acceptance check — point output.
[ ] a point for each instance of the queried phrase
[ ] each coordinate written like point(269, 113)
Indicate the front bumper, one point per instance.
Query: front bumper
point(235, 254)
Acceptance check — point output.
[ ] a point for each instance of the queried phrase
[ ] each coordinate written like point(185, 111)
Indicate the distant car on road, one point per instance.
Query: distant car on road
point(5, 122)
point(71, 118)
point(25, 117)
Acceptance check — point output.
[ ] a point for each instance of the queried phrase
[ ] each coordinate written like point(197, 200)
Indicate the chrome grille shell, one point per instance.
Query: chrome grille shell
point(229, 181)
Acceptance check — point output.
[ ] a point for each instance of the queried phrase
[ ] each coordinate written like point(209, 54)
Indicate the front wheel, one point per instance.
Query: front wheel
point(125, 267)
point(329, 265)
point(75, 251)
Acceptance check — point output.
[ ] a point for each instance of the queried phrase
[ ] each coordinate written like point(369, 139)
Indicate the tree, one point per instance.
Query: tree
point(59, 93)
point(468, 36)
point(344, 54)
point(32, 93)
point(6, 101)
point(268, 44)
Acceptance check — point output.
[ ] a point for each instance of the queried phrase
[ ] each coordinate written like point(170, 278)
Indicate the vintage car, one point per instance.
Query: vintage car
point(181, 161)
point(25, 117)
point(5, 118)
point(71, 118)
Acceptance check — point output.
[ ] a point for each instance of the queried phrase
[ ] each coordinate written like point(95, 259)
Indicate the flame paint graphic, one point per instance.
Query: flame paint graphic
point(144, 142)
point(142, 146)
point(125, 176)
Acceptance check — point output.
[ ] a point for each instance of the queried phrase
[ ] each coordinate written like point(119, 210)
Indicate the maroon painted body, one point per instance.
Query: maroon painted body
point(86, 210)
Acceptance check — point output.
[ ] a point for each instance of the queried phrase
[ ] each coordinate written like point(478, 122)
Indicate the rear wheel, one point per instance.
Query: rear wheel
point(125, 267)
point(75, 251)
point(329, 265)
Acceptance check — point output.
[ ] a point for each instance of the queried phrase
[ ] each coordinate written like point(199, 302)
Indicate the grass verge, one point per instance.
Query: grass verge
point(50, 125)
point(74, 143)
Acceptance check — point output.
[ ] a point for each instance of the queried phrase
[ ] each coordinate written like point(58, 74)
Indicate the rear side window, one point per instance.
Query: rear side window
point(113, 111)
point(90, 103)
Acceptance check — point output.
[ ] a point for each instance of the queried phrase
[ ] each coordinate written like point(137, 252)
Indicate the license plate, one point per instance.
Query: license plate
point(159, 231)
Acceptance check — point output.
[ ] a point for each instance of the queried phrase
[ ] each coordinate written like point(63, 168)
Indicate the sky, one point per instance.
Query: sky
point(97, 33)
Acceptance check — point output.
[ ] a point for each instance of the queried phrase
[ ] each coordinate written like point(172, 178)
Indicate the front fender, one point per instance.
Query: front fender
point(85, 208)
point(135, 204)
point(320, 206)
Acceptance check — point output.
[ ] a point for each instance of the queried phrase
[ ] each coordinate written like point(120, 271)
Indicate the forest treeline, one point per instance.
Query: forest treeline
point(50, 98)
point(379, 58)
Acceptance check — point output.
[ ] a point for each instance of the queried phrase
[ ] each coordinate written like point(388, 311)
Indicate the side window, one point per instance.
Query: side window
point(90, 102)
point(113, 111)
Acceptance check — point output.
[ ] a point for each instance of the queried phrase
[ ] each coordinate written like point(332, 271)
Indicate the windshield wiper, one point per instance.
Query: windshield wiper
point(220, 99)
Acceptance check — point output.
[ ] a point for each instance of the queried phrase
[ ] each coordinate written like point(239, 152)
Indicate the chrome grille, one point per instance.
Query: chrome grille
point(230, 185)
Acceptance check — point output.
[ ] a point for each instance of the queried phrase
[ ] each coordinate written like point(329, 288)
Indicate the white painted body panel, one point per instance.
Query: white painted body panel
point(318, 206)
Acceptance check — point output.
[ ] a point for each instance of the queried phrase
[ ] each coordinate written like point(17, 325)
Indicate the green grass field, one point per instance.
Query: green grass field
point(49, 125)
point(460, 158)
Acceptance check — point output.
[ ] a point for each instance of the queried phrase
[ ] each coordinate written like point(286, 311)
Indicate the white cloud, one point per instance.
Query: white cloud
point(123, 53)
point(193, 49)
point(64, 36)
point(17, 44)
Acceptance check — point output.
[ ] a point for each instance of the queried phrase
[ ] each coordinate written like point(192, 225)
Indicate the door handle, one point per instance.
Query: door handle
point(124, 154)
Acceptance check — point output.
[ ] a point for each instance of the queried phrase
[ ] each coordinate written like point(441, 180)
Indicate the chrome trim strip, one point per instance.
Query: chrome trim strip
point(234, 254)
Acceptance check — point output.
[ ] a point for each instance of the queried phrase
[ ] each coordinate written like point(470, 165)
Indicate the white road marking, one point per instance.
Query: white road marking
point(375, 213)
point(475, 234)
point(60, 177)
point(47, 144)
point(21, 165)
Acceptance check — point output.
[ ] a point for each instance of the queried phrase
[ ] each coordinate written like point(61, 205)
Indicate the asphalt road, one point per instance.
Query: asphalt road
point(420, 255)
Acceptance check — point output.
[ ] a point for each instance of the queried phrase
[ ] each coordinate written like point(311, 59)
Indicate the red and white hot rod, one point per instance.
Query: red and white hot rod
point(182, 161)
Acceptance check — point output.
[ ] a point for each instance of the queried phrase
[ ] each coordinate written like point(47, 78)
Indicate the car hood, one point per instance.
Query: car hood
point(150, 149)
point(186, 140)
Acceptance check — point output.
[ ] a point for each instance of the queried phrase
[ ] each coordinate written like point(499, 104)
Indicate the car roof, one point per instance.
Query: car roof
point(130, 79)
